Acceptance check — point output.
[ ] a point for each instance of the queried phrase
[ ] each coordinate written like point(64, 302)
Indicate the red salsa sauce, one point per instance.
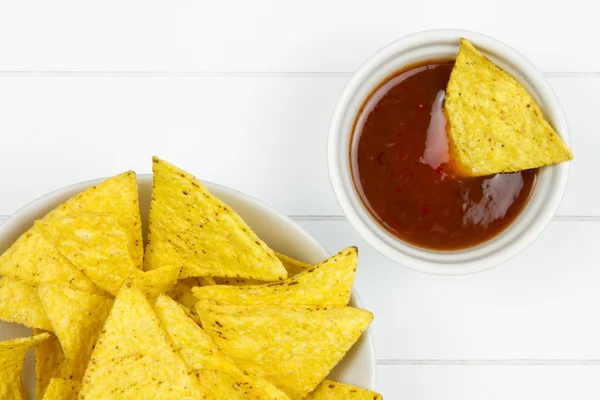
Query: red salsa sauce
point(399, 159)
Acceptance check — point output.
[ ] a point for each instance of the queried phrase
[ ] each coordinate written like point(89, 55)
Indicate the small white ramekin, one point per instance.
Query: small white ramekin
point(435, 45)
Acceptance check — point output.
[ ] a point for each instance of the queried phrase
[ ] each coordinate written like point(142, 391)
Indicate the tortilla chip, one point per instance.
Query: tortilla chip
point(190, 227)
point(21, 304)
point(293, 347)
point(49, 362)
point(182, 293)
point(133, 357)
point(191, 282)
point(155, 282)
point(330, 390)
point(293, 267)
point(77, 318)
point(13, 391)
point(216, 371)
point(12, 357)
point(326, 284)
point(237, 282)
point(221, 385)
point(94, 243)
point(495, 124)
point(117, 195)
point(62, 389)
point(193, 344)
point(206, 281)
point(34, 260)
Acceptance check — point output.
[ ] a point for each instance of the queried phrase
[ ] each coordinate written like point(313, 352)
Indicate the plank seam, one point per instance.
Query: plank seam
point(231, 74)
point(484, 362)
point(342, 218)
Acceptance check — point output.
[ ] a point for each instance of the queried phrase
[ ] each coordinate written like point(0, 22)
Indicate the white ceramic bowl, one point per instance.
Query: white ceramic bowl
point(277, 230)
point(420, 47)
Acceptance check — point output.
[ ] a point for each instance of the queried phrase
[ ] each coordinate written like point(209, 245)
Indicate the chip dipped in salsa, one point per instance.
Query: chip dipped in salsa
point(401, 167)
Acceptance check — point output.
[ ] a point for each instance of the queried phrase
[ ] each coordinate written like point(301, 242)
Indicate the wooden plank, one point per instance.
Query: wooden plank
point(269, 35)
point(525, 382)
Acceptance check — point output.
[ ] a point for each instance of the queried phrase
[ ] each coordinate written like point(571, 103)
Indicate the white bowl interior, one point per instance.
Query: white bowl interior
point(277, 230)
point(436, 45)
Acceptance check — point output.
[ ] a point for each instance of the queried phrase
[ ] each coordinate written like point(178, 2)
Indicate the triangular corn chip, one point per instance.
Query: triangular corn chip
point(237, 281)
point(193, 344)
point(293, 347)
point(117, 195)
point(206, 281)
point(188, 226)
point(326, 284)
point(191, 281)
point(77, 318)
point(495, 124)
point(12, 356)
point(182, 293)
point(62, 389)
point(225, 380)
point(13, 391)
point(293, 267)
point(330, 390)
point(221, 385)
point(50, 362)
point(20, 303)
point(97, 245)
point(94, 243)
point(134, 358)
point(34, 260)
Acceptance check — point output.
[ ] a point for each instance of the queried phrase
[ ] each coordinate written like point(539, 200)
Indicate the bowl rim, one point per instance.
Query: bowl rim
point(401, 252)
point(32, 210)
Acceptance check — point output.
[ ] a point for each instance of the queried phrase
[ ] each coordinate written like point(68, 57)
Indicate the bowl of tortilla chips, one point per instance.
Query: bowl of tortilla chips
point(526, 130)
point(162, 286)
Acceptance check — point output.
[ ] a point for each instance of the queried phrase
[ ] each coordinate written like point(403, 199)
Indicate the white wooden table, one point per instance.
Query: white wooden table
point(241, 93)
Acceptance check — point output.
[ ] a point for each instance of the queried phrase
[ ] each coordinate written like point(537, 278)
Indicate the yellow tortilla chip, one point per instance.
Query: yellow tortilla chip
point(49, 362)
point(117, 195)
point(182, 293)
point(21, 304)
point(293, 347)
point(77, 318)
point(330, 390)
point(236, 282)
point(326, 284)
point(155, 282)
point(293, 267)
point(193, 344)
point(94, 243)
point(188, 226)
point(133, 357)
point(206, 281)
point(495, 124)
point(191, 282)
point(12, 357)
point(13, 391)
point(221, 385)
point(216, 371)
point(33, 260)
point(62, 389)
